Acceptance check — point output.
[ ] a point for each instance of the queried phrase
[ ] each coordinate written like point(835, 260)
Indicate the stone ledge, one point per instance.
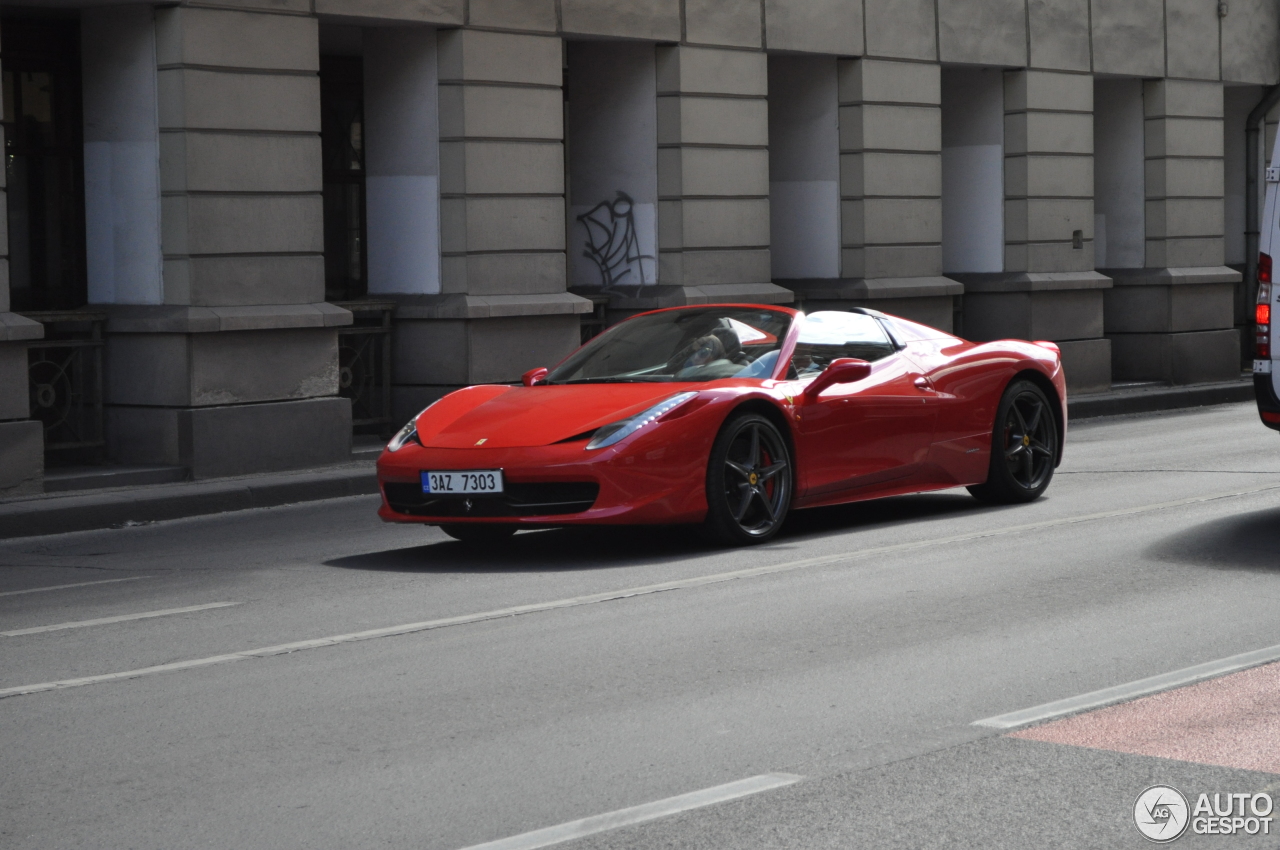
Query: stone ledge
point(16, 328)
point(131, 318)
point(860, 289)
point(987, 282)
point(462, 306)
point(655, 297)
point(1173, 277)
point(1150, 399)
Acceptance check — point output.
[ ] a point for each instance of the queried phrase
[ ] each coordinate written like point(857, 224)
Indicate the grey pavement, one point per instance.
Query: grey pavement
point(858, 656)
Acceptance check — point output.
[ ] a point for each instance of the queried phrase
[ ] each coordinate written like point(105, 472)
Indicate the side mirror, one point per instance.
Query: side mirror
point(843, 370)
point(533, 376)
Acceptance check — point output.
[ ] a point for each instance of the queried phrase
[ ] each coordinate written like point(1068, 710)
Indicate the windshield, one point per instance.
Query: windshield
point(697, 344)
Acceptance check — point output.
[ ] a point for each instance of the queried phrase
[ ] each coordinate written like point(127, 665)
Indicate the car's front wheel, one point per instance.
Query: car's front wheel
point(1024, 447)
point(749, 481)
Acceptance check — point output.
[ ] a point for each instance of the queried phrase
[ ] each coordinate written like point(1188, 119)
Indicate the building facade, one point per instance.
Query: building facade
point(236, 231)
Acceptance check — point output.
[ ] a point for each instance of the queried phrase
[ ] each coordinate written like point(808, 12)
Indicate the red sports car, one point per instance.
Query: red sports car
point(732, 415)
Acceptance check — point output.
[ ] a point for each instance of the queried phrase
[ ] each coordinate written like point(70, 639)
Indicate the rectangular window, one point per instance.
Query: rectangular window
point(342, 148)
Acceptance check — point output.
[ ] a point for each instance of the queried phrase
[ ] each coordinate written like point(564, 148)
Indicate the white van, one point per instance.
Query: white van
point(1266, 377)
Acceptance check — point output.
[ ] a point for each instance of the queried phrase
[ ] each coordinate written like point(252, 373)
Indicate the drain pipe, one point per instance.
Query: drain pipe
point(1253, 143)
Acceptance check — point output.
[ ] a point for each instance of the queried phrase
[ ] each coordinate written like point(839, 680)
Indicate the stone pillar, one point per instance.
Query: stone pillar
point(1048, 289)
point(1173, 320)
point(891, 193)
point(713, 178)
point(21, 438)
point(502, 307)
point(227, 362)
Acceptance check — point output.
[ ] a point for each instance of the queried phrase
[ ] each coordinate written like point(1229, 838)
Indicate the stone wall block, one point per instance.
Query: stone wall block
point(247, 281)
point(716, 171)
point(498, 168)
point(236, 224)
point(1049, 176)
point(833, 27)
point(223, 162)
point(895, 174)
point(14, 400)
point(1059, 34)
point(983, 32)
point(699, 70)
point(539, 15)
point(1192, 39)
point(853, 223)
point(1191, 252)
point(21, 458)
point(198, 99)
point(882, 261)
point(893, 128)
point(1184, 137)
point(886, 81)
point(1248, 42)
point(1048, 132)
point(497, 112)
point(1055, 257)
point(1128, 37)
point(725, 223)
point(1182, 99)
point(222, 441)
point(905, 29)
point(494, 57)
point(1184, 358)
point(713, 121)
point(1186, 178)
point(1086, 364)
point(521, 224)
point(254, 366)
point(653, 20)
point(1033, 89)
point(900, 220)
point(514, 273)
point(147, 369)
point(1057, 218)
point(716, 268)
point(236, 39)
point(720, 23)
point(381, 12)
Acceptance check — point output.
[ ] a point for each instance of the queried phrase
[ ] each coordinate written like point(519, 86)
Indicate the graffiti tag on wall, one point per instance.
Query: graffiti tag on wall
point(612, 243)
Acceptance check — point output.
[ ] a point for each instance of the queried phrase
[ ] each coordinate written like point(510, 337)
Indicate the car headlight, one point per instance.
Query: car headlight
point(616, 432)
point(408, 432)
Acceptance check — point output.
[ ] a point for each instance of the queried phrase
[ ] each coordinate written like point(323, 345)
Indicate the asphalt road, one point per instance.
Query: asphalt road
point(856, 651)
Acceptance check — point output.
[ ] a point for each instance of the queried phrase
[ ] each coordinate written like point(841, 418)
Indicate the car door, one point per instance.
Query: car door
point(866, 433)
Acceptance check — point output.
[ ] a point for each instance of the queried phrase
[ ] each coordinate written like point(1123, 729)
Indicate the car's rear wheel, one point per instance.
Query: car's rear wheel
point(1024, 447)
point(749, 481)
point(479, 534)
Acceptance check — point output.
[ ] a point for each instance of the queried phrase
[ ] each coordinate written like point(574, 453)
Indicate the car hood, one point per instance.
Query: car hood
point(501, 417)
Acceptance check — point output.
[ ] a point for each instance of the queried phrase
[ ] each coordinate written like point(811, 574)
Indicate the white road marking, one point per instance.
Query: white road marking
point(607, 596)
point(122, 618)
point(1132, 690)
point(639, 814)
point(65, 586)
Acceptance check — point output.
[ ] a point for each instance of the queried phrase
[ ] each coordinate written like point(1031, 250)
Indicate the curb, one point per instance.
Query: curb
point(58, 514)
point(1152, 399)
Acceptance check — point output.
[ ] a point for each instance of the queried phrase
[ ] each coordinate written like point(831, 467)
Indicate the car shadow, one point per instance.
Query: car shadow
point(1245, 542)
point(590, 548)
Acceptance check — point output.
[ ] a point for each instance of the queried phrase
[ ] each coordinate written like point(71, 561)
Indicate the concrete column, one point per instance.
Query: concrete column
point(21, 438)
point(612, 139)
point(891, 192)
point(402, 160)
point(973, 129)
point(713, 177)
point(502, 307)
point(121, 156)
point(1173, 320)
point(1046, 288)
point(235, 368)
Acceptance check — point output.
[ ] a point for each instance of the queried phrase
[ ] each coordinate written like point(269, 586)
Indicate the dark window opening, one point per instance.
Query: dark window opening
point(44, 164)
point(342, 148)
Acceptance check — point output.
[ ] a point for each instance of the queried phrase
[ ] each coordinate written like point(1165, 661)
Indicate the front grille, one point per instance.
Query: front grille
point(537, 499)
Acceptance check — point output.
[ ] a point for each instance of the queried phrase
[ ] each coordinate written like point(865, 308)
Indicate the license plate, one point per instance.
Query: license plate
point(462, 481)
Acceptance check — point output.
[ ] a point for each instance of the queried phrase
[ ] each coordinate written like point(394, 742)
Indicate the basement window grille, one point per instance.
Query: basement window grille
point(64, 378)
point(364, 365)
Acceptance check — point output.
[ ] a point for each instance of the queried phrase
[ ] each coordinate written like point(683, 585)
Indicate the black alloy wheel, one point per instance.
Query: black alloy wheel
point(480, 534)
point(749, 481)
point(1024, 447)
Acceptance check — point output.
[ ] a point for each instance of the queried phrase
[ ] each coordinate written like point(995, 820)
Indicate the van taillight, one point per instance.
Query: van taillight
point(1262, 319)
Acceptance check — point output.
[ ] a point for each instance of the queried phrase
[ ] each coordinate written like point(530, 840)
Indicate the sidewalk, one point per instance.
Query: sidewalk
point(111, 507)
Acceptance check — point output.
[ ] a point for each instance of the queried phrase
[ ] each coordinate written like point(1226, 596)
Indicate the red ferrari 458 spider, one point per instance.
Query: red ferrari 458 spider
point(732, 415)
